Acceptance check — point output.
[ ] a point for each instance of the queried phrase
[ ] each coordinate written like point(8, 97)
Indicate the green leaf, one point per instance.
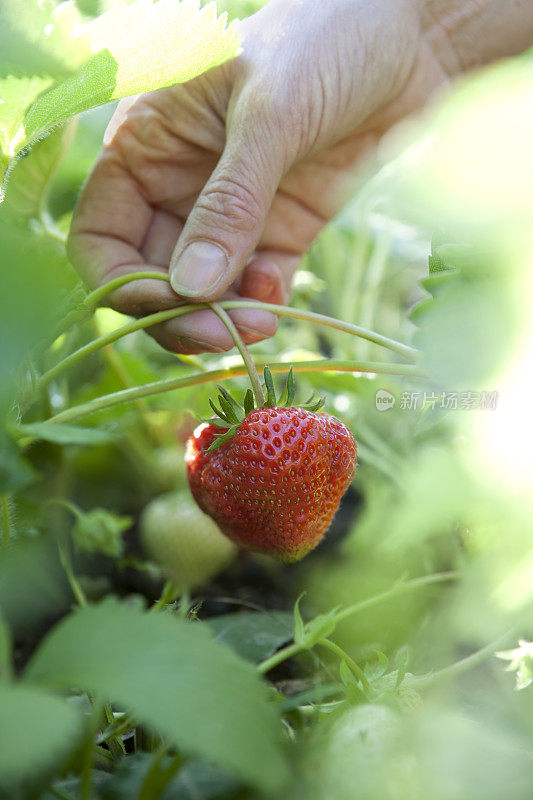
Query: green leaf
point(196, 780)
point(227, 408)
point(222, 438)
point(6, 652)
point(287, 397)
point(299, 627)
point(157, 44)
point(138, 47)
point(253, 635)
point(249, 404)
point(236, 408)
point(92, 86)
point(100, 531)
point(37, 731)
point(172, 676)
point(30, 179)
point(33, 587)
point(319, 628)
point(270, 399)
point(36, 36)
point(17, 93)
point(66, 434)
point(520, 662)
point(15, 472)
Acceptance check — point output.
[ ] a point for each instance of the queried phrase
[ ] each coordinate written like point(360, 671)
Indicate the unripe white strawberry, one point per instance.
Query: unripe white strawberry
point(184, 541)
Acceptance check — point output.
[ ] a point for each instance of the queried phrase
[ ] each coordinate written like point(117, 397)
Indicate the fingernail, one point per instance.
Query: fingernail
point(199, 269)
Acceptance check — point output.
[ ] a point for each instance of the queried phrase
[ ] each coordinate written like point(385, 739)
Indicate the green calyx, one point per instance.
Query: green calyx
point(229, 413)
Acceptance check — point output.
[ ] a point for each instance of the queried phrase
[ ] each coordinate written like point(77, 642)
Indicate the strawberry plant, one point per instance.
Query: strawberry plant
point(283, 626)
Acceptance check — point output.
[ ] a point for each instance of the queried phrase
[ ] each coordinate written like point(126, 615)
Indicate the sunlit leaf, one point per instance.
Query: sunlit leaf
point(17, 93)
point(138, 47)
point(29, 181)
point(156, 44)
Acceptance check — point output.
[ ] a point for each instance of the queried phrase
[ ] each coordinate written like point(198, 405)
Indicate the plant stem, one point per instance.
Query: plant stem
point(94, 297)
point(109, 338)
point(77, 591)
point(356, 669)
point(295, 648)
point(88, 750)
point(394, 591)
point(465, 663)
point(6, 520)
point(164, 316)
point(282, 655)
point(245, 353)
point(330, 322)
point(172, 384)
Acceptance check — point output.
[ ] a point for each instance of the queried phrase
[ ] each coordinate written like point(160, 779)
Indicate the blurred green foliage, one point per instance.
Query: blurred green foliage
point(394, 705)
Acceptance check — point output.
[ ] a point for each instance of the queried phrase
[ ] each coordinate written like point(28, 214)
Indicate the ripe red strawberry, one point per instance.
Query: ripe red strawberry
point(275, 485)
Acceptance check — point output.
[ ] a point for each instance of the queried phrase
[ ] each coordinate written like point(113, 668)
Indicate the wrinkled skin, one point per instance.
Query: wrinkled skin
point(257, 155)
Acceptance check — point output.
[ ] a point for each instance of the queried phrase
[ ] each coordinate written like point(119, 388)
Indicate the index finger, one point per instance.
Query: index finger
point(106, 237)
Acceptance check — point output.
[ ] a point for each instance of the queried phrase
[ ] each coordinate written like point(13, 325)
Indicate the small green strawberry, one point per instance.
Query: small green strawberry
point(184, 541)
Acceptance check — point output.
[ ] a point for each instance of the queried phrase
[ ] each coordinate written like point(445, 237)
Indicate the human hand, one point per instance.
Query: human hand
point(227, 179)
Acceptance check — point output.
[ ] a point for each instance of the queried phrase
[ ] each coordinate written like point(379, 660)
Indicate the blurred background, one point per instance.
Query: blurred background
point(434, 250)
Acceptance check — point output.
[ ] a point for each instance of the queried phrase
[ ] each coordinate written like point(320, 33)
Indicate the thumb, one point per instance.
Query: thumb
point(227, 220)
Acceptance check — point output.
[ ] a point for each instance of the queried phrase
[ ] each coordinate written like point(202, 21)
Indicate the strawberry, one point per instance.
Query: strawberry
point(274, 479)
point(184, 542)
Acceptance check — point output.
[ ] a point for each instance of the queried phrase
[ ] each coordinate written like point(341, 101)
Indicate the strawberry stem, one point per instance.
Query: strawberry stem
point(243, 350)
point(172, 384)
point(94, 297)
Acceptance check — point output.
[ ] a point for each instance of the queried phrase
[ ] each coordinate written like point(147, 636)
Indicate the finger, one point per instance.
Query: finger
point(268, 277)
point(106, 237)
point(202, 331)
point(161, 237)
point(228, 217)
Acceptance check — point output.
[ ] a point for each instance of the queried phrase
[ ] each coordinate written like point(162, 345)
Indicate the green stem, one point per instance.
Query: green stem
point(245, 353)
point(109, 338)
point(6, 521)
point(185, 604)
point(465, 663)
point(356, 669)
point(294, 648)
point(77, 591)
point(164, 316)
point(172, 384)
point(282, 655)
point(88, 752)
point(94, 297)
point(157, 778)
point(394, 591)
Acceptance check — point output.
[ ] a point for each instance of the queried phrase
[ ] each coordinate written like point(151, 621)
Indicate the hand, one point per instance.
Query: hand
point(226, 180)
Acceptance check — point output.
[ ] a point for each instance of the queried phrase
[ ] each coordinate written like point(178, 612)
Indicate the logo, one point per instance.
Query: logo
point(384, 400)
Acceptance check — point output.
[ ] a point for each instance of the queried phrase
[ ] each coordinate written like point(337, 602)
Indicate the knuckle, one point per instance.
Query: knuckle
point(232, 202)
